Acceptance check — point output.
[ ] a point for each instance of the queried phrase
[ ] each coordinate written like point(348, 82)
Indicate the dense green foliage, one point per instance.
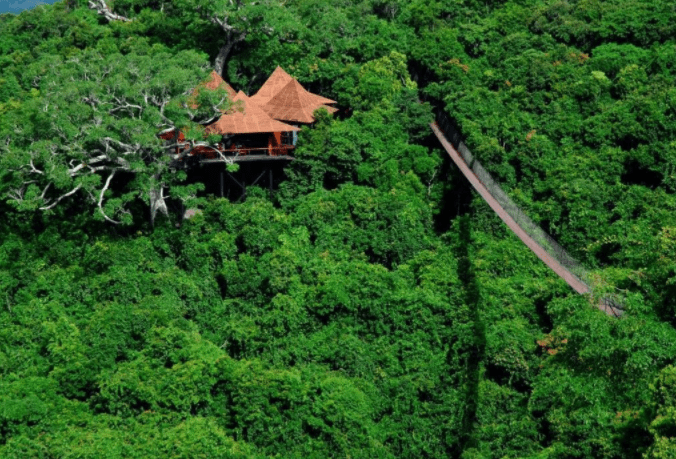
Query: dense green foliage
point(373, 307)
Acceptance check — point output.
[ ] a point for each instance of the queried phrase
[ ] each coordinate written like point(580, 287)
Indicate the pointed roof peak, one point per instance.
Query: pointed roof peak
point(276, 81)
point(216, 81)
point(293, 103)
point(280, 74)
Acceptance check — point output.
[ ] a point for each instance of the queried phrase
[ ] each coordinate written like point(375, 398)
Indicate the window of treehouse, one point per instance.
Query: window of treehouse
point(289, 138)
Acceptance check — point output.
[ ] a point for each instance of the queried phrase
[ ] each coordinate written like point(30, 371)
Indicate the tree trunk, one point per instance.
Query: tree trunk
point(223, 53)
point(157, 202)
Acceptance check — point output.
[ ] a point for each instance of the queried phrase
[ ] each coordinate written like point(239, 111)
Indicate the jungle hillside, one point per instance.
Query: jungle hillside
point(372, 305)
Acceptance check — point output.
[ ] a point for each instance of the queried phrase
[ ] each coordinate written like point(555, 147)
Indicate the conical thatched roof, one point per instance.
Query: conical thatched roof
point(272, 85)
point(215, 82)
point(276, 82)
point(294, 103)
point(246, 117)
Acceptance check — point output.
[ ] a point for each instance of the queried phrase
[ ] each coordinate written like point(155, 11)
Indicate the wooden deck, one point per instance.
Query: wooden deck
point(248, 158)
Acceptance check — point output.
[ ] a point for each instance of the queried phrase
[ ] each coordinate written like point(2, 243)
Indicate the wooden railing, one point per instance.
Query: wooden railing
point(209, 153)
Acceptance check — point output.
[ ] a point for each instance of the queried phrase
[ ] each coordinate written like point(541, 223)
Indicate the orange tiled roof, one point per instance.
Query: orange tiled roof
point(276, 83)
point(215, 81)
point(272, 85)
point(246, 117)
point(294, 103)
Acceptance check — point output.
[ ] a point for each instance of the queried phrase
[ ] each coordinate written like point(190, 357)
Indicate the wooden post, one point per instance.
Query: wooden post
point(222, 181)
point(270, 181)
point(242, 185)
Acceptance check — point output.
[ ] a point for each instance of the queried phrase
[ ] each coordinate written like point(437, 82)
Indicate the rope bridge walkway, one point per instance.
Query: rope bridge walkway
point(542, 244)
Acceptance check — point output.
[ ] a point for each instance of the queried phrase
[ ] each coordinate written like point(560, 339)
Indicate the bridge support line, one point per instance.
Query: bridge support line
point(572, 280)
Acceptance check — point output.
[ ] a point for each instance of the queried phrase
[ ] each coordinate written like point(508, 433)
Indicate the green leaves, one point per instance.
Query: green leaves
point(97, 117)
point(371, 308)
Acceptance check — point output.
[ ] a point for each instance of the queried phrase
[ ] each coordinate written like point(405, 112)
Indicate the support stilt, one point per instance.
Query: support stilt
point(270, 182)
point(259, 177)
point(222, 183)
point(242, 185)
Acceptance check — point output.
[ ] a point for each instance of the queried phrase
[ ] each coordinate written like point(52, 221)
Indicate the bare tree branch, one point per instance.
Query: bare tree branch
point(63, 196)
point(34, 170)
point(103, 191)
point(130, 148)
point(194, 145)
point(430, 184)
point(102, 8)
point(44, 192)
point(17, 194)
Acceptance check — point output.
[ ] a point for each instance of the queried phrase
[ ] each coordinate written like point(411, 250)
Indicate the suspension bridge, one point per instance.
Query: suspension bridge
point(542, 244)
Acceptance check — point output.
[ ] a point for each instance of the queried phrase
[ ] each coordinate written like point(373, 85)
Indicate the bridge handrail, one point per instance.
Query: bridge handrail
point(581, 280)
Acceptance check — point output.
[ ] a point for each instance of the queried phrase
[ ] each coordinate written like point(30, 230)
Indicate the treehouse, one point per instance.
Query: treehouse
point(257, 127)
point(246, 129)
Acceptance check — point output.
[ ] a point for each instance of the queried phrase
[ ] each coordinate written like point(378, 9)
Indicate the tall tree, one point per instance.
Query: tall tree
point(94, 120)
